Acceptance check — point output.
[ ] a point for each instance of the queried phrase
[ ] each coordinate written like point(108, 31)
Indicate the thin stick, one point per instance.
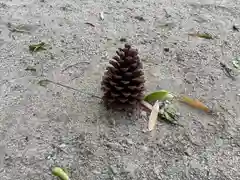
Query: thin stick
point(68, 87)
point(72, 65)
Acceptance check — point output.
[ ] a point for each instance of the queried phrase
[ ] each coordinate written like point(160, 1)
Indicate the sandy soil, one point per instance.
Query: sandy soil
point(54, 126)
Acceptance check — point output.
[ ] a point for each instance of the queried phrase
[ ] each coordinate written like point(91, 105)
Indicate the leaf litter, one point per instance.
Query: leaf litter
point(166, 112)
point(37, 47)
point(165, 108)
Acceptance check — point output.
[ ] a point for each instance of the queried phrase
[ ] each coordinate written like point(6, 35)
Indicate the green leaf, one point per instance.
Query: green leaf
point(57, 171)
point(37, 47)
point(158, 95)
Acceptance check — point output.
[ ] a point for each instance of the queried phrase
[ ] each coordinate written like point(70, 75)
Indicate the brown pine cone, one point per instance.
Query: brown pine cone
point(123, 82)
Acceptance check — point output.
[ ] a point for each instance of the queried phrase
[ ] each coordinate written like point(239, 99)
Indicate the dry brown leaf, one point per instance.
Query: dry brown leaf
point(153, 116)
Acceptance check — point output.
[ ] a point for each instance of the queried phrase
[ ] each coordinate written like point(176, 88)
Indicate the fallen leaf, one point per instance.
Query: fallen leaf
point(101, 15)
point(153, 116)
point(29, 68)
point(37, 47)
point(44, 82)
point(158, 95)
point(90, 24)
point(56, 171)
point(194, 103)
point(201, 35)
point(236, 63)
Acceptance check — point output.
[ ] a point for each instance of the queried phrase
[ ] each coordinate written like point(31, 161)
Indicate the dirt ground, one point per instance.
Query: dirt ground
point(43, 127)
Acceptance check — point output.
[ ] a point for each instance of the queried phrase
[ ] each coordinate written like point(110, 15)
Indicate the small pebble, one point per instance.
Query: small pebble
point(140, 18)
point(235, 28)
point(129, 141)
point(123, 40)
point(166, 49)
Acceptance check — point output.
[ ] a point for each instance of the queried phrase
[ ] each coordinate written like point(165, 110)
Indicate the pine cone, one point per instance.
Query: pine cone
point(123, 82)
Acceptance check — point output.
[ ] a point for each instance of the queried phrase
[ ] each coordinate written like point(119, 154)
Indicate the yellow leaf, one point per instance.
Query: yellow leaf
point(153, 116)
point(194, 103)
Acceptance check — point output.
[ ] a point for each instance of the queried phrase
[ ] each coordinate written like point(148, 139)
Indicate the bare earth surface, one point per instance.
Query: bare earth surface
point(43, 127)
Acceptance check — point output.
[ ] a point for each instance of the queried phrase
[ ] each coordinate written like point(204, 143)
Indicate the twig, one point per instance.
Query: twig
point(90, 24)
point(227, 70)
point(75, 65)
point(167, 15)
point(16, 29)
point(68, 87)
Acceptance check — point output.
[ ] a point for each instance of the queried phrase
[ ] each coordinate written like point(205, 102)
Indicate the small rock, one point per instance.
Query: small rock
point(129, 141)
point(130, 167)
point(145, 148)
point(190, 77)
point(188, 152)
point(62, 145)
point(143, 113)
point(113, 169)
point(63, 8)
point(166, 49)
point(140, 18)
point(96, 172)
point(235, 28)
point(123, 39)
